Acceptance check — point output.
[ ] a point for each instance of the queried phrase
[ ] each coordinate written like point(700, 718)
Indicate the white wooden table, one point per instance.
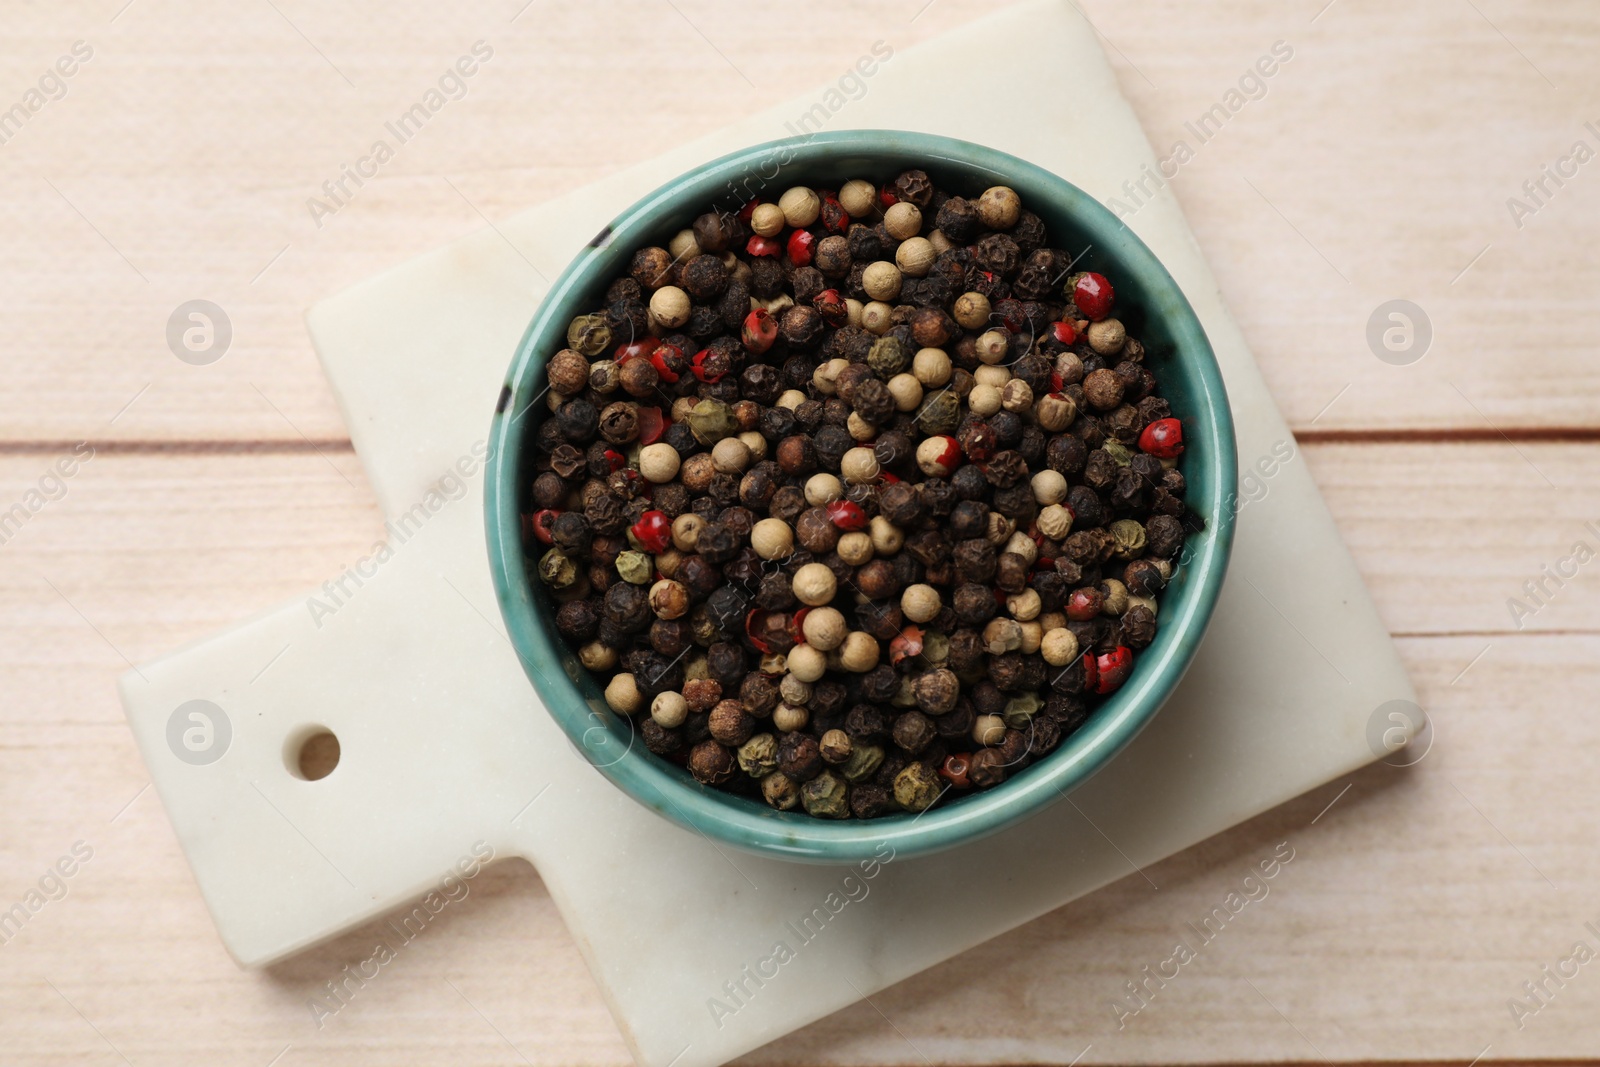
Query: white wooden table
point(1377, 165)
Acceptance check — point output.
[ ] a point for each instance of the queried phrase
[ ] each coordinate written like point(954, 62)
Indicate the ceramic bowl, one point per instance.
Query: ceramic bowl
point(1147, 300)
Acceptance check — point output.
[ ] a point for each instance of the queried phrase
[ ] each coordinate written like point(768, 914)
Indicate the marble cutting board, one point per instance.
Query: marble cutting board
point(445, 745)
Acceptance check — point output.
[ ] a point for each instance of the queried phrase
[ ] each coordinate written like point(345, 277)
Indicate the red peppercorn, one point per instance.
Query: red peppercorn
point(954, 770)
point(831, 305)
point(909, 643)
point(1063, 332)
point(847, 515)
point(1112, 669)
point(652, 424)
point(754, 626)
point(834, 217)
point(886, 198)
point(658, 359)
point(763, 246)
point(698, 365)
point(1093, 295)
point(1084, 604)
point(633, 349)
point(1162, 438)
point(539, 524)
point(760, 330)
point(749, 209)
point(801, 245)
point(616, 459)
point(653, 531)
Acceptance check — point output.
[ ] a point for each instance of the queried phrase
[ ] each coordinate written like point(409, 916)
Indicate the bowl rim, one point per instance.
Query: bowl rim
point(737, 821)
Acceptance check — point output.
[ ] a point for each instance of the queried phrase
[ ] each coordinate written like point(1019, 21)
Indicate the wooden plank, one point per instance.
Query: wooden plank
point(1399, 891)
point(154, 182)
point(1390, 935)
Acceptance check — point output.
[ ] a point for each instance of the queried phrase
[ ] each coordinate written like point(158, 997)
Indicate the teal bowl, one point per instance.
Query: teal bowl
point(1148, 300)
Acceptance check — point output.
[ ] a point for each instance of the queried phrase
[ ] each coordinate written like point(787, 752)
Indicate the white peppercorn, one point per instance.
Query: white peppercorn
point(623, 695)
point(822, 489)
point(597, 657)
point(906, 391)
point(800, 206)
point(988, 729)
point(772, 539)
point(670, 306)
point(1016, 395)
point(1049, 487)
point(903, 220)
point(859, 653)
point(999, 208)
point(932, 367)
point(1055, 521)
point(793, 690)
point(789, 718)
point(859, 465)
point(920, 603)
point(825, 628)
point(915, 257)
point(972, 311)
point(1024, 605)
point(984, 400)
point(686, 531)
point(992, 346)
point(855, 548)
point(669, 710)
point(814, 586)
point(881, 280)
point(730, 455)
point(658, 462)
point(858, 198)
point(806, 663)
point(1059, 647)
point(887, 538)
point(877, 317)
point(767, 220)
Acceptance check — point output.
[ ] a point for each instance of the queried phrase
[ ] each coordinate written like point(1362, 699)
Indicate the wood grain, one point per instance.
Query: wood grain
point(179, 164)
point(1380, 895)
point(1376, 165)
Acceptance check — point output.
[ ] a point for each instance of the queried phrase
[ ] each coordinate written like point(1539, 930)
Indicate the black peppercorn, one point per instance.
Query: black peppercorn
point(1138, 626)
point(726, 663)
point(711, 763)
point(868, 800)
point(868, 722)
point(831, 443)
point(986, 769)
point(577, 620)
point(973, 603)
point(658, 739)
point(800, 756)
point(974, 560)
point(628, 606)
point(1087, 508)
point(1163, 536)
point(913, 732)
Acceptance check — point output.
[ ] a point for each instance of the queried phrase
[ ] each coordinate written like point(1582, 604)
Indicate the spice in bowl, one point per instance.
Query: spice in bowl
point(856, 501)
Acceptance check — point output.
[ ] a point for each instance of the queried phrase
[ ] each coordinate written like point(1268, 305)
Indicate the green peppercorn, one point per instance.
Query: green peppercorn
point(711, 421)
point(916, 787)
point(826, 796)
point(863, 762)
point(939, 414)
point(888, 356)
point(781, 791)
point(589, 334)
point(556, 570)
point(1130, 538)
point(635, 567)
point(758, 757)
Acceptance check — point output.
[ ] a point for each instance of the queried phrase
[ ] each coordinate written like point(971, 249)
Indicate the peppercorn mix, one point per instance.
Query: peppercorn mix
point(857, 500)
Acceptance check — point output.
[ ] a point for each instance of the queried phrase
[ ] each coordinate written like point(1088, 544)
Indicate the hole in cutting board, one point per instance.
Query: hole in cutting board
point(312, 753)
